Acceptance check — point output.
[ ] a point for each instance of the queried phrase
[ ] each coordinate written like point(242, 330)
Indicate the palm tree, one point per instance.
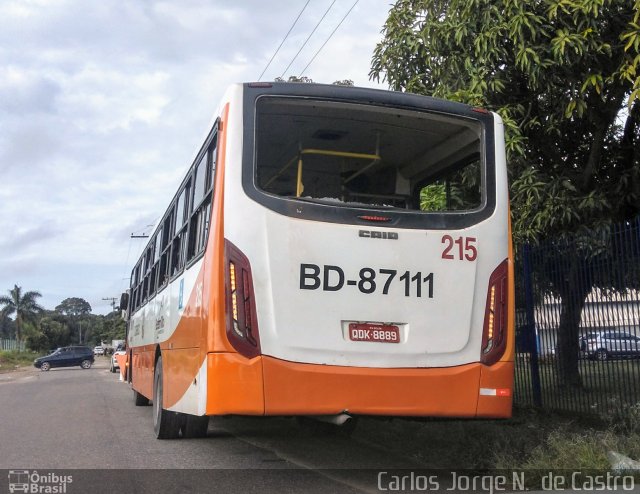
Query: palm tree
point(23, 305)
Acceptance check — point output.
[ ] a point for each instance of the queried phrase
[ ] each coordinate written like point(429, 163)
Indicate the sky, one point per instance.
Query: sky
point(103, 105)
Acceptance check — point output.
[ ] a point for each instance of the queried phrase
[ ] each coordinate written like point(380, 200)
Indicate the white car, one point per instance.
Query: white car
point(98, 350)
point(114, 363)
point(605, 345)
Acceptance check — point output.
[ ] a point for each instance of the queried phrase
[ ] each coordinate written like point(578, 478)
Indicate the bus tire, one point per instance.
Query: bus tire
point(195, 426)
point(166, 424)
point(140, 400)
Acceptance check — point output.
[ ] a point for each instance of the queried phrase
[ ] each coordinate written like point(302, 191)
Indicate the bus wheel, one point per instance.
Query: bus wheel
point(195, 426)
point(166, 424)
point(140, 400)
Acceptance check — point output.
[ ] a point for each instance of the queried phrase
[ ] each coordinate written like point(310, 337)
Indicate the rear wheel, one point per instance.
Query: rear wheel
point(140, 400)
point(195, 426)
point(166, 424)
point(86, 364)
point(602, 354)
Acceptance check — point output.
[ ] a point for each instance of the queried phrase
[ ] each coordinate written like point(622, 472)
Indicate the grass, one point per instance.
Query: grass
point(605, 386)
point(10, 359)
point(533, 441)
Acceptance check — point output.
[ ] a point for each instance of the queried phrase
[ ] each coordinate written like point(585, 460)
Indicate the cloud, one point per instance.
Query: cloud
point(104, 104)
point(22, 238)
point(26, 93)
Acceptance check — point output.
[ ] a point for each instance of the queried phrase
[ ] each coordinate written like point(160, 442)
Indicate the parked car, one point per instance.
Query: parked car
point(68, 356)
point(98, 350)
point(603, 345)
point(120, 350)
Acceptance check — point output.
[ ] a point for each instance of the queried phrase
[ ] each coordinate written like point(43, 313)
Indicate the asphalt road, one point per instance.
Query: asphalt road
point(78, 431)
point(85, 421)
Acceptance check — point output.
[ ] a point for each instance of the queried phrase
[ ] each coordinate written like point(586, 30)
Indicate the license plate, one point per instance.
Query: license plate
point(379, 333)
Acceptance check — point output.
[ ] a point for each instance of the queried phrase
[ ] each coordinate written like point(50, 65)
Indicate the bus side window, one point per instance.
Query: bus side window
point(178, 253)
point(165, 247)
point(203, 198)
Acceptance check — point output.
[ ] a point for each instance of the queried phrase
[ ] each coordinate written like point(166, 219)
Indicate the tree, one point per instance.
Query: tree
point(51, 333)
point(293, 78)
point(23, 305)
point(565, 77)
point(7, 326)
point(305, 79)
point(76, 309)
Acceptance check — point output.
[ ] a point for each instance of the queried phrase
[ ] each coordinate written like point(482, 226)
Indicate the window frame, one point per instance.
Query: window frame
point(348, 214)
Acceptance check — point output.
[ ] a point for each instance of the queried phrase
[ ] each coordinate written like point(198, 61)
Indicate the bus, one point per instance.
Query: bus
point(332, 252)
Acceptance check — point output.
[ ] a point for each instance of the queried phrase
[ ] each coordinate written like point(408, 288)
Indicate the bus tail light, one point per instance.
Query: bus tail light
point(242, 321)
point(494, 333)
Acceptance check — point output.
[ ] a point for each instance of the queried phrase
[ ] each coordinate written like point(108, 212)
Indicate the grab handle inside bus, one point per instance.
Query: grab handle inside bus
point(375, 159)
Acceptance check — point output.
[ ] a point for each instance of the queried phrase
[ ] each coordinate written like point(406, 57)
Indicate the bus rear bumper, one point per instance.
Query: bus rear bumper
point(269, 386)
point(299, 389)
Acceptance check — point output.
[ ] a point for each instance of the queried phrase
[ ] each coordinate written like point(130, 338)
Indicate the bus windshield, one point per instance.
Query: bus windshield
point(364, 156)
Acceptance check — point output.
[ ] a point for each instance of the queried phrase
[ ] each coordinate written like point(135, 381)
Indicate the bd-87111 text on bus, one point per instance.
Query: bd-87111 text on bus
point(312, 277)
point(331, 252)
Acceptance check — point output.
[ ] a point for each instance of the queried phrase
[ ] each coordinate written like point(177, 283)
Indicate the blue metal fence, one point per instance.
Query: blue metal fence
point(587, 291)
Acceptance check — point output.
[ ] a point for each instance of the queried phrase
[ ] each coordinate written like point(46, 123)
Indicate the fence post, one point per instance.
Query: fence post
point(532, 340)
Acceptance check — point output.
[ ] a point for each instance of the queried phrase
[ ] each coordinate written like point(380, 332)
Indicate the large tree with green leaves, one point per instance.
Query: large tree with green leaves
point(24, 305)
point(76, 309)
point(52, 332)
point(565, 77)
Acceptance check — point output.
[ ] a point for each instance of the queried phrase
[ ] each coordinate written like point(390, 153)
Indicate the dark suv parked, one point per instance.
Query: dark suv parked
point(67, 356)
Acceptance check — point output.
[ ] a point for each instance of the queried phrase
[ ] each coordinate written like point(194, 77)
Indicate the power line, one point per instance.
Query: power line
point(285, 38)
point(308, 38)
point(330, 36)
point(113, 302)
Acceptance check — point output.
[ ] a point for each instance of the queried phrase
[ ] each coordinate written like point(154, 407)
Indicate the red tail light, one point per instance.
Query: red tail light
point(383, 219)
point(242, 322)
point(494, 333)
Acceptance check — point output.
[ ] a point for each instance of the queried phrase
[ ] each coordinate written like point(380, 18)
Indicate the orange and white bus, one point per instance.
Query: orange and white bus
point(331, 252)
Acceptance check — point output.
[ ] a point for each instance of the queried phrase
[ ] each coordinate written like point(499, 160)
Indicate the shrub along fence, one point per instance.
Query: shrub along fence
point(578, 322)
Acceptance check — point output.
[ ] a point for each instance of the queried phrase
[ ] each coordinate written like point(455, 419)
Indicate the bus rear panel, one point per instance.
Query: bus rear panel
point(366, 234)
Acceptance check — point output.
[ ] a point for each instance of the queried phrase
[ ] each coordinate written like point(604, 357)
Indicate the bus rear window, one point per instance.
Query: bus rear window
point(367, 156)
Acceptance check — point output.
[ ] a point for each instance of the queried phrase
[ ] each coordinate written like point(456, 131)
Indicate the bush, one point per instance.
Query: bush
point(10, 359)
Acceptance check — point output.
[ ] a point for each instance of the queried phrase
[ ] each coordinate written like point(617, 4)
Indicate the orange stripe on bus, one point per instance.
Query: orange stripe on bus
point(203, 325)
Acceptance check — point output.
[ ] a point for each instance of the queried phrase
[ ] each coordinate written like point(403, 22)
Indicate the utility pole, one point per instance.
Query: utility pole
point(113, 302)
